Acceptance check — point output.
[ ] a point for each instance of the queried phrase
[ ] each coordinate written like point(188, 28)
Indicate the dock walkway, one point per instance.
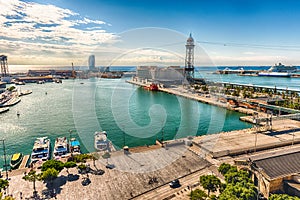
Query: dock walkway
point(24, 162)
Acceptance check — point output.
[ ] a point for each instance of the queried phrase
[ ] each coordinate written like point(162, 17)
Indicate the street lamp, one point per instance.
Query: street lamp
point(5, 162)
point(256, 128)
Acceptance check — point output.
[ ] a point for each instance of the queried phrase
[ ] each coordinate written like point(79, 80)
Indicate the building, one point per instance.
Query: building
point(92, 63)
point(276, 172)
point(51, 72)
point(165, 75)
point(34, 79)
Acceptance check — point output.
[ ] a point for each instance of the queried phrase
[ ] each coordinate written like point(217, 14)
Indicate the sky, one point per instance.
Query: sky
point(135, 32)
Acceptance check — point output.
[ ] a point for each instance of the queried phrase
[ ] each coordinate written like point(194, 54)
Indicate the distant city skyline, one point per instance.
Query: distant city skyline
point(231, 32)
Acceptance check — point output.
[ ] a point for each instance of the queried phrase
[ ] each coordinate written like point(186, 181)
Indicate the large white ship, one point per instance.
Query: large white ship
point(279, 70)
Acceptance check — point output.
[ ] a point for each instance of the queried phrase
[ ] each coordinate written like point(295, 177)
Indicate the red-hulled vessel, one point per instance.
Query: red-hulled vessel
point(152, 87)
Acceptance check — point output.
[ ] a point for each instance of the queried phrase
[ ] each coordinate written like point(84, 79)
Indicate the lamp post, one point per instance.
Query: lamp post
point(5, 162)
point(256, 129)
point(70, 132)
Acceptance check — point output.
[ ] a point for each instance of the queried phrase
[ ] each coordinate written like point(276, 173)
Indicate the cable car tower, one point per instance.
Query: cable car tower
point(4, 65)
point(189, 58)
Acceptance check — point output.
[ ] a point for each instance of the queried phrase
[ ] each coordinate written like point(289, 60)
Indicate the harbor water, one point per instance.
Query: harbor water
point(54, 109)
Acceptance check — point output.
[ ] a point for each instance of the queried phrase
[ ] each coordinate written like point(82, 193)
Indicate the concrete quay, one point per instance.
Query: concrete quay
point(182, 92)
point(234, 143)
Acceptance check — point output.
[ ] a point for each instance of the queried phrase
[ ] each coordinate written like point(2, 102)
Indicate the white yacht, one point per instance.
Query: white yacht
point(41, 150)
point(60, 148)
point(101, 142)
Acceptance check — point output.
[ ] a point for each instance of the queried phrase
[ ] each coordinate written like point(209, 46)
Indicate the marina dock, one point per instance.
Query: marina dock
point(24, 162)
point(179, 91)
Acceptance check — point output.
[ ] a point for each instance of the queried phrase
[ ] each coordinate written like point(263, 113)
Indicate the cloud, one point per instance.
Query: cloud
point(45, 30)
point(247, 60)
point(249, 53)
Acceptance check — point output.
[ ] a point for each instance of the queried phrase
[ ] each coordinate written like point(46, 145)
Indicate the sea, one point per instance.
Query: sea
point(130, 115)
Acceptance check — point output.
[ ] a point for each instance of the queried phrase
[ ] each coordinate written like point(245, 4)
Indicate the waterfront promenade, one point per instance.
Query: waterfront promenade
point(119, 183)
point(133, 172)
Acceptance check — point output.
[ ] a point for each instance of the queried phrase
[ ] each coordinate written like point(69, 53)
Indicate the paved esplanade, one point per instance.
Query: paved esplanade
point(164, 165)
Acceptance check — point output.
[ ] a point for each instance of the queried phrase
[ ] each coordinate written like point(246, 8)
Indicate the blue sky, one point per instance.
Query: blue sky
point(59, 31)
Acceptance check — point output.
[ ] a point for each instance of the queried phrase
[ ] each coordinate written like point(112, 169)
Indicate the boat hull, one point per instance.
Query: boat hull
point(16, 160)
point(275, 74)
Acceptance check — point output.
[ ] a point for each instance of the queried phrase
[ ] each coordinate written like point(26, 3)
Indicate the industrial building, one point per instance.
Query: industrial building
point(50, 72)
point(275, 172)
point(171, 75)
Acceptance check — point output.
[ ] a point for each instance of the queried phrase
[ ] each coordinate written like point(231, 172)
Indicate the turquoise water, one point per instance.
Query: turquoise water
point(85, 106)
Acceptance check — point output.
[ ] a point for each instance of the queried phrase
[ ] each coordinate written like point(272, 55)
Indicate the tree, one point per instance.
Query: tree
point(198, 195)
point(106, 156)
point(210, 183)
point(69, 164)
point(49, 175)
point(32, 177)
point(81, 158)
point(282, 197)
point(55, 164)
point(238, 192)
point(240, 176)
point(224, 168)
point(7, 197)
point(95, 157)
point(82, 168)
point(3, 184)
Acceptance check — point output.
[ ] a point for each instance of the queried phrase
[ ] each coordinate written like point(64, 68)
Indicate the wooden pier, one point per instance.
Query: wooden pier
point(24, 162)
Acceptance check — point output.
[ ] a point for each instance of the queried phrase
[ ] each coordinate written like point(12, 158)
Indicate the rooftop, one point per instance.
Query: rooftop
point(280, 165)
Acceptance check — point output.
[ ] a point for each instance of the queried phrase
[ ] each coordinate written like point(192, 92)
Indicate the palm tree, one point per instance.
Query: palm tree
point(106, 156)
point(3, 184)
point(69, 164)
point(32, 177)
point(49, 175)
point(95, 157)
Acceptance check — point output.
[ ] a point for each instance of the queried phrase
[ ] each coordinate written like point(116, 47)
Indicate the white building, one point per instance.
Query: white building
point(172, 74)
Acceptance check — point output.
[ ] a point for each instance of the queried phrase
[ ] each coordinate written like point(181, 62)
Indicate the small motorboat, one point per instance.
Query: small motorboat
point(16, 160)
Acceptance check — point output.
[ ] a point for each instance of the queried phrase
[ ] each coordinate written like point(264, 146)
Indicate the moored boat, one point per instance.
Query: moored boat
point(40, 150)
point(60, 148)
point(16, 160)
point(152, 87)
point(102, 143)
point(3, 110)
point(74, 145)
point(13, 101)
point(25, 92)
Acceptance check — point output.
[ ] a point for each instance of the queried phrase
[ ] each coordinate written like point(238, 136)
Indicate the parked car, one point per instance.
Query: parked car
point(110, 166)
point(175, 183)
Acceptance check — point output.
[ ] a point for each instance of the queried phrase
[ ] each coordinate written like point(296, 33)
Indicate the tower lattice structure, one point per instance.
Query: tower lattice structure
point(4, 65)
point(189, 58)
